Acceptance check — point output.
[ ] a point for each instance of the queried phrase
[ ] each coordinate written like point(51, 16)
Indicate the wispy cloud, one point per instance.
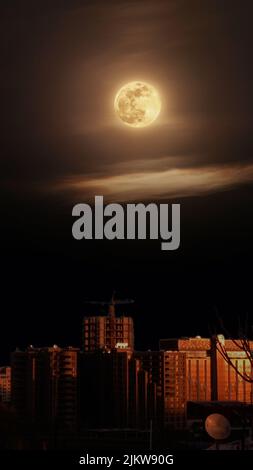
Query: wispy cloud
point(173, 183)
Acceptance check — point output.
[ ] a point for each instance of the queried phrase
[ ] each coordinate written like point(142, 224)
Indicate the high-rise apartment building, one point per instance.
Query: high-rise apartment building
point(45, 386)
point(174, 388)
point(108, 332)
point(151, 362)
point(197, 352)
point(5, 384)
point(167, 387)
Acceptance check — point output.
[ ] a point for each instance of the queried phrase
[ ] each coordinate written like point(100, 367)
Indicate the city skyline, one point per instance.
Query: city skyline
point(109, 384)
point(59, 395)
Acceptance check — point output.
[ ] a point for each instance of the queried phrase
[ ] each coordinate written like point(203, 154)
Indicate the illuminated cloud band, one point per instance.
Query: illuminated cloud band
point(177, 182)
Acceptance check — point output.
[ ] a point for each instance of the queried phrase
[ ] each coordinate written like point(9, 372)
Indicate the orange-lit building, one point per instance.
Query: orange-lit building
point(5, 384)
point(197, 352)
point(202, 374)
point(174, 388)
point(229, 384)
point(107, 332)
point(45, 386)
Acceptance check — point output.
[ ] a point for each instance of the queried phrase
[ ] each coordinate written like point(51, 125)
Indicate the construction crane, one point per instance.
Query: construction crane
point(110, 303)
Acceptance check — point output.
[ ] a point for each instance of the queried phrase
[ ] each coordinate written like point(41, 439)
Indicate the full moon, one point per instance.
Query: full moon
point(137, 104)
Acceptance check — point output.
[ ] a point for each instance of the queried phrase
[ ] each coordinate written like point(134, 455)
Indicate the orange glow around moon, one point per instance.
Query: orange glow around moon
point(137, 104)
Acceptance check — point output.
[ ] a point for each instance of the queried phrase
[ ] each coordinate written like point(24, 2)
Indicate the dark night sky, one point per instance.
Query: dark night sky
point(61, 64)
